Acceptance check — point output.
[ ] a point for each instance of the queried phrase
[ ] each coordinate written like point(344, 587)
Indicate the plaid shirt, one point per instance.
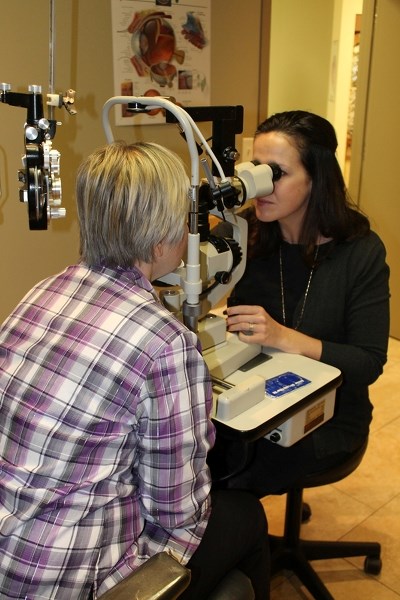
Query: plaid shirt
point(104, 434)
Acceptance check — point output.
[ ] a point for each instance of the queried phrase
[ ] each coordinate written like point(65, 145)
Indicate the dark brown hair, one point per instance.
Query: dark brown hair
point(330, 211)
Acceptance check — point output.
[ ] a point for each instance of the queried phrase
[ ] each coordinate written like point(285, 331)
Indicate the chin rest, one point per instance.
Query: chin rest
point(292, 553)
point(161, 577)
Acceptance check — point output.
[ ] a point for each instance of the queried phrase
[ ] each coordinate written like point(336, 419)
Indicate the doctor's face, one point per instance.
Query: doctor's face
point(288, 202)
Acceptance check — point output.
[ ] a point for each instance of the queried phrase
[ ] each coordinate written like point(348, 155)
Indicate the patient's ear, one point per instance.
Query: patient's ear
point(159, 250)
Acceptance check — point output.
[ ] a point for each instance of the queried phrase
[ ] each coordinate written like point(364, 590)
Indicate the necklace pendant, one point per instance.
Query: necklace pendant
point(299, 320)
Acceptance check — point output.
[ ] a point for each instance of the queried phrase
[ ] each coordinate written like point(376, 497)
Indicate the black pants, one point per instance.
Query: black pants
point(236, 537)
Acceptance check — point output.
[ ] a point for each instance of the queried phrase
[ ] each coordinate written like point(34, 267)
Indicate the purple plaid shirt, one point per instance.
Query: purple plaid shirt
point(104, 433)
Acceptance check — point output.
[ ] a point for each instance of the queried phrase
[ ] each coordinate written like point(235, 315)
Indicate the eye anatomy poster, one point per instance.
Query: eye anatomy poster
point(161, 48)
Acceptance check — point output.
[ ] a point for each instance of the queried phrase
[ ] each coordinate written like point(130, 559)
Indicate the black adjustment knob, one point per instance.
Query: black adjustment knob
point(275, 437)
point(223, 277)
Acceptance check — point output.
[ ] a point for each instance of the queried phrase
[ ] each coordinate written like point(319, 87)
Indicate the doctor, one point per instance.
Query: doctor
point(316, 284)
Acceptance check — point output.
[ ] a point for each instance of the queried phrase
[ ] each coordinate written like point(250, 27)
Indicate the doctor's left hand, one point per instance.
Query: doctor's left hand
point(254, 325)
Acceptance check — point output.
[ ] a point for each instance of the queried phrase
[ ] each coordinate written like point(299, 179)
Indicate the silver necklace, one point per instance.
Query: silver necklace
point(299, 320)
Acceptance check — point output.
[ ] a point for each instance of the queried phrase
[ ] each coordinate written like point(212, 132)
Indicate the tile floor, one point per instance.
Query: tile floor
point(364, 506)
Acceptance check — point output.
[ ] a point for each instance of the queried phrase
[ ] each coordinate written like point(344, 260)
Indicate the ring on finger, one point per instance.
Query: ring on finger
point(249, 330)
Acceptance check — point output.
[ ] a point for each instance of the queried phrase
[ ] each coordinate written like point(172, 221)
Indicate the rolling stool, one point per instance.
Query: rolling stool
point(292, 553)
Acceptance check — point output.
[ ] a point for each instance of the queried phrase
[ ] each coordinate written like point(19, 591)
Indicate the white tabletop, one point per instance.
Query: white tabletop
point(317, 379)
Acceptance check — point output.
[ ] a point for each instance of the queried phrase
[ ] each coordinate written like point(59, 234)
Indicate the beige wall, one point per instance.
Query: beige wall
point(311, 55)
point(340, 69)
point(299, 77)
point(302, 38)
point(300, 51)
point(374, 174)
point(84, 63)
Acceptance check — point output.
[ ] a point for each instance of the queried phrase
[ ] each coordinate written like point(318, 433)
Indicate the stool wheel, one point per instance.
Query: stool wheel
point(305, 512)
point(373, 565)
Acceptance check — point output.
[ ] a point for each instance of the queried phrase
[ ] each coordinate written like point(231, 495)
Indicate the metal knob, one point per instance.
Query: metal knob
point(31, 133)
point(57, 213)
point(36, 89)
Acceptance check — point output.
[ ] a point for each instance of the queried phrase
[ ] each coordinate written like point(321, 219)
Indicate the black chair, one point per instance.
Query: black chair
point(292, 553)
point(163, 578)
point(234, 586)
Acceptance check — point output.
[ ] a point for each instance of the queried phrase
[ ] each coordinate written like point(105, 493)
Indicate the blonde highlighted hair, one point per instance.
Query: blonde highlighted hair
point(130, 197)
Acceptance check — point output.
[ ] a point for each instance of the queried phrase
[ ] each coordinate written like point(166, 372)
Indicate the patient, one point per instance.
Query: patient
point(105, 403)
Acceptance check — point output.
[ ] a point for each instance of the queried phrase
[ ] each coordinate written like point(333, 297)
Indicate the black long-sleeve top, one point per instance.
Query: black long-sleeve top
point(347, 307)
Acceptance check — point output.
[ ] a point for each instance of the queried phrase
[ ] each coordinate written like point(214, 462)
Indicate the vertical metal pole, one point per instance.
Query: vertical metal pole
point(52, 41)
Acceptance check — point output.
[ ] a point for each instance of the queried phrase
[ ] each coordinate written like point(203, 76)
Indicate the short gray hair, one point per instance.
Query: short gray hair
point(130, 197)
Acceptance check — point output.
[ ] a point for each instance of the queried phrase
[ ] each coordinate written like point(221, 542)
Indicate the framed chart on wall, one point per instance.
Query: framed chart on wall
point(161, 48)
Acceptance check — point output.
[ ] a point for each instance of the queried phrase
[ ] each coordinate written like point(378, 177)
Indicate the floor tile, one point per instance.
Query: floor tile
point(385, 397)
point(344, 582)
point(384, 527)
point(394, 350)
point(334, 513)
point(377, 479)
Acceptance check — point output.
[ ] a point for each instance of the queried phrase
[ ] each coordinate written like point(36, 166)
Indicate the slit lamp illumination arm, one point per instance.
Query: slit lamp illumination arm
point(191, 281)
point(251, 180)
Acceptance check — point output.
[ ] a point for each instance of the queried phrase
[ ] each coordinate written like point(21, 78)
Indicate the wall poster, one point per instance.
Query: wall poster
point(161, 47)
